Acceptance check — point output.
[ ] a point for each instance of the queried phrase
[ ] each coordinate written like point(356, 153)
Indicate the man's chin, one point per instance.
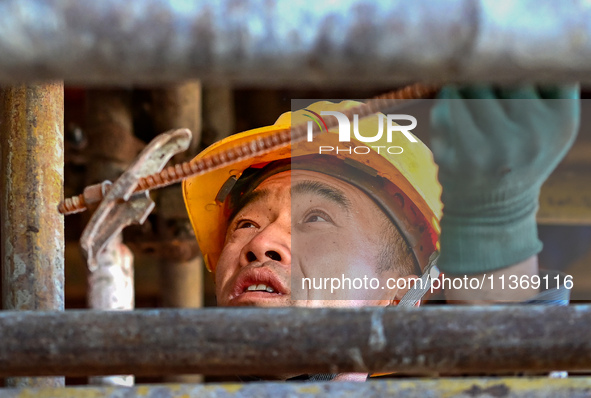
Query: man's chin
point(259, 299)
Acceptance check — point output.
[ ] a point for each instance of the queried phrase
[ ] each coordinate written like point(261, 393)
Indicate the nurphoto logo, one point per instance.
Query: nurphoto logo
point(345, 132)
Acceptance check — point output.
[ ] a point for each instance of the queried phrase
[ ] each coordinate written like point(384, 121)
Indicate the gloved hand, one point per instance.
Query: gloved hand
point(495, 147)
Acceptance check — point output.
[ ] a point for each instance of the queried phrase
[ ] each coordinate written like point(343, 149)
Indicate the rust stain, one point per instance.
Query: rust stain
point(32, 186)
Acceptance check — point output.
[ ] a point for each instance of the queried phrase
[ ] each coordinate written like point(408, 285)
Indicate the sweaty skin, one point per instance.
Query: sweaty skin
point(333, 228)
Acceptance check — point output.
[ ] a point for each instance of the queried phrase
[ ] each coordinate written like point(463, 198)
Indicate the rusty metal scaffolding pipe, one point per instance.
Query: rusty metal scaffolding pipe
point(31, 183)
point(297, 340)
point(290, 43)
point(112, 147)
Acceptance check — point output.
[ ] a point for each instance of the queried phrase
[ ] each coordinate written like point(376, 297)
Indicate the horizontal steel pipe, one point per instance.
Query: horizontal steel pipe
point(296, 340)
point(408, 388)
point(290, 43)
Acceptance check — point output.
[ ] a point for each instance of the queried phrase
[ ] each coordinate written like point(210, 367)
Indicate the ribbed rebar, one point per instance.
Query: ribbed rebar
point(259, 145)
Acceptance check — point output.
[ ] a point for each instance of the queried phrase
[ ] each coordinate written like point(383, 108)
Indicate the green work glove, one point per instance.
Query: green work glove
point(495, 147)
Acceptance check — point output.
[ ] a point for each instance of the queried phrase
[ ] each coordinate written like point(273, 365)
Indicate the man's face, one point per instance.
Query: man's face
point(302, 224)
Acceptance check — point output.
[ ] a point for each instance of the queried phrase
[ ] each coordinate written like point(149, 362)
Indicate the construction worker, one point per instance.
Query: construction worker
point(312, 213)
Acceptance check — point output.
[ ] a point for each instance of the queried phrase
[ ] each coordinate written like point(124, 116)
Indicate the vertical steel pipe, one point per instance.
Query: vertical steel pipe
point(176, 107)
point(173, 107)
point(181, 271)
point(112, 146)
point(182, 283)
point(31, 183)
point(218, 114)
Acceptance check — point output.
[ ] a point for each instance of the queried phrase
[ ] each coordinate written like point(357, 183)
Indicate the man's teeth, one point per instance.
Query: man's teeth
point(261, 287)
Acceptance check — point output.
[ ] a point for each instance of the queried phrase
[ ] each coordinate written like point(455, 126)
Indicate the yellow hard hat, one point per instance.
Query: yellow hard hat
point(399, 175)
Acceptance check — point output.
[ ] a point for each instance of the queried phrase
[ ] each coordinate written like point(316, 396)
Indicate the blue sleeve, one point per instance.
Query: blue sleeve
point(556, 294)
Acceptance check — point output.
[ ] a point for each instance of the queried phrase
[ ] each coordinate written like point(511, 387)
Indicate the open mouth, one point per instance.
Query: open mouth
point(259, 288)
point(258, 283)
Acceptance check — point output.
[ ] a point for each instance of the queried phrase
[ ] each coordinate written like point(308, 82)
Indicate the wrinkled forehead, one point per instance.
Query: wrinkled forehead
point(292, 178)
point(299, 183)
point(276, 182)
point(281, 186)
point(275, 189)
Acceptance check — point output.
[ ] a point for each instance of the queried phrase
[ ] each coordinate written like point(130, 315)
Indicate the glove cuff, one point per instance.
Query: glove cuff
point(472, 245)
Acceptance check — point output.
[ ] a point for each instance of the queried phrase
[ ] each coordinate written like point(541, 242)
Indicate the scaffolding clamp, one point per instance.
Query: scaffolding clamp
point(118, 204)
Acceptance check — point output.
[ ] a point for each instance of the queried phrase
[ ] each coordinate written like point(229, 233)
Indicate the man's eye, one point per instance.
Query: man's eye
point(245, 224)
point(317, 217)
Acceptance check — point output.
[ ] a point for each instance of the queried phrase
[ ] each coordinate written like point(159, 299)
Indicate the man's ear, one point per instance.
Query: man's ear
point(403, 288)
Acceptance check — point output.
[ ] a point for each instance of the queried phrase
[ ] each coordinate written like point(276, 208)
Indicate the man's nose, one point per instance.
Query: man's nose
point(271, 243)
